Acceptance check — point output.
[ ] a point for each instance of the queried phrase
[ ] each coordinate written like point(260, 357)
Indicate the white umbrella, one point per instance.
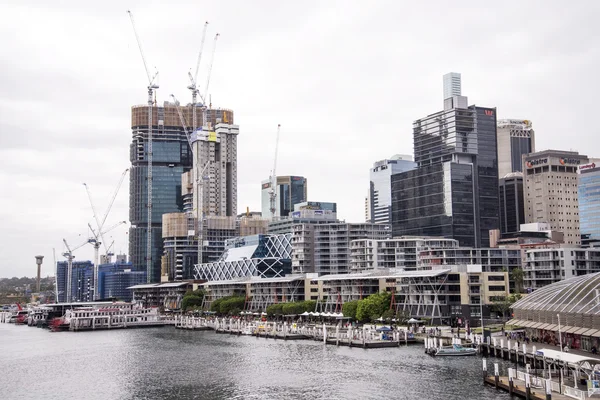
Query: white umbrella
point(305, 313)
point(413, 321)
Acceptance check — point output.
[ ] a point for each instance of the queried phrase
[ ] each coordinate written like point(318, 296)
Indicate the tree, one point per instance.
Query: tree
point(232, 305)
point(275, 309)
point(503, 305)
point(516, 276)
point(373, 307)
point(349, 309)
point(309, 305)
point(192, 299)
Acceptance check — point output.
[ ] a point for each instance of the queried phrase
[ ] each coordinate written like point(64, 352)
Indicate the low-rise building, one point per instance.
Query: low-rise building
point(325, 248)
point(165, 295)
point(266, 256)
point(402, 252)
point(545, 266)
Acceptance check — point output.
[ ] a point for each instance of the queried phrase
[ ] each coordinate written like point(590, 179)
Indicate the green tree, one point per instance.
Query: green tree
point(516, 276)
point(192, 299)
point(309, 305)
point(388, 314)
point(373, 307)
point(294, 308)
point(232, 305)
point(349, 309)
point(504, 304)
point(275, 309)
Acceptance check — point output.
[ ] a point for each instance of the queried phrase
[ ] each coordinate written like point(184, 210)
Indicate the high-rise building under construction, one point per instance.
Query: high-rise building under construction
point(171, 157)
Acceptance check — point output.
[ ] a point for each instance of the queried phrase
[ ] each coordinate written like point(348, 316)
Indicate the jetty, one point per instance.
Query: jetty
point(365, 337)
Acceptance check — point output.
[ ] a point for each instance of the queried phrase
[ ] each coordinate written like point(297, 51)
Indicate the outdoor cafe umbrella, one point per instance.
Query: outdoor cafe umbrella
point(413, 321)
point(384, 329)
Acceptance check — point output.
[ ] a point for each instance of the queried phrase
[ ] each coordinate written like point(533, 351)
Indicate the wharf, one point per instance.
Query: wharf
point(519, 389)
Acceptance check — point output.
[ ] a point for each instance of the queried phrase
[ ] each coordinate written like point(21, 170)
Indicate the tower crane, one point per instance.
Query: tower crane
point(194, 79)
point(194, 89)
point(95, 241)
point(99, 235)
point(199, 179)
point(69, 256)
point(152, 86)
point(273, 191)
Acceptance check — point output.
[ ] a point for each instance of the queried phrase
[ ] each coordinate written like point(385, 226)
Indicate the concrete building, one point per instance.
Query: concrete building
point(453, 192)
point(171, 158)
point(403, 252)
point(516, 138)
point(163, 295)
point(380, 188)
point(588, 194)
point(539, 233)
point(82, 281)
point(290, 190)
point(265, 256)
point(545, 266)
point(217, 151)
point(325, 248)
point(551, 192)
point(512, 207)
point(306, 216)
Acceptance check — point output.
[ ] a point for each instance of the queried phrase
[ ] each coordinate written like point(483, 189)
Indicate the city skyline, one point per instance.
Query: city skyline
point(87, 78)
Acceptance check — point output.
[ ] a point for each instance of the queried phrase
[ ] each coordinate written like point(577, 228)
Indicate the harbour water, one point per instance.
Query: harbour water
point(165, 363)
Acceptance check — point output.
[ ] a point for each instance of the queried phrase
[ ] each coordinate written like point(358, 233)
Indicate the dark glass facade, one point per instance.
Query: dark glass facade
point(171, 156)
point(82, 281)
point(589, 204)
point(115, 278)
point(291, 192)
point(518, 147)
point(512, 208)
point(454, 190)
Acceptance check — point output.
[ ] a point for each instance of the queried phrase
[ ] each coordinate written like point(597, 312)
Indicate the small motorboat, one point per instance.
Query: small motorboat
point(455, 350)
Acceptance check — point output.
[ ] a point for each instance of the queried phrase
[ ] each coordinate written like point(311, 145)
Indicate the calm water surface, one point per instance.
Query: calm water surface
point(164, 363)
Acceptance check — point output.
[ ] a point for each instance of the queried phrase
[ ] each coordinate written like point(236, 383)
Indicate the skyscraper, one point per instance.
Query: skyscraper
point(290, 190)
point(171, 157)
point(380, 189)
point(512, 209)
point(589, 203)
point(453, 192)
point(452, 85)
point(516, 137)
point(216, 153)
point(551, 191)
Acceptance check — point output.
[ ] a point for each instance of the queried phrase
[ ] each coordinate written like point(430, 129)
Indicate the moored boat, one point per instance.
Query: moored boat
point(455, 350)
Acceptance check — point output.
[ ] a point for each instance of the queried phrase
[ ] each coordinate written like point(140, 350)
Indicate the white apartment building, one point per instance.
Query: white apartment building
point(550, 191)
point(545, 266)
point(402, 252)
point(325, 248)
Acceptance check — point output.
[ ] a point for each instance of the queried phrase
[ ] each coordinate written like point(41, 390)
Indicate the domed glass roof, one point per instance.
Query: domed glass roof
point(580, 295)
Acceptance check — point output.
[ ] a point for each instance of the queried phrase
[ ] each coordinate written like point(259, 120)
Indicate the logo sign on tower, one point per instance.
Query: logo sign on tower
point(565, 160)
point(534, 163)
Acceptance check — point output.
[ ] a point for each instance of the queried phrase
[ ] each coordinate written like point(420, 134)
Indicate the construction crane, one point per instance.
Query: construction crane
point(199, 178)
point(194, 79)
point(203, 97)
point(69, 255)
point(99, 236)
point(152, 86)
point(96, 242)
point(273, 178)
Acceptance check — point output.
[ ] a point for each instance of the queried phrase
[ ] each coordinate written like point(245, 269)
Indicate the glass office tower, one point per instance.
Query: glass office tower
point(589, 203)
point(453, 192)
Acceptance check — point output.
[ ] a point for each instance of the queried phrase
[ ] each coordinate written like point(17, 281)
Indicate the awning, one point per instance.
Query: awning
point(581, 331)
point(568, 329)
point(512, 322)
point(529, 324)
point(543, 326)
point(537, 325)
point(596, 334)
point(590, 332)
point(552, 327)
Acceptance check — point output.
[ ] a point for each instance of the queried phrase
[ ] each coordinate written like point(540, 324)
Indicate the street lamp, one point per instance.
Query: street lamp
point(559, 333)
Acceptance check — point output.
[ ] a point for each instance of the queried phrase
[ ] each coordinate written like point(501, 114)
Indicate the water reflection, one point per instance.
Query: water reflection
point(164, 363)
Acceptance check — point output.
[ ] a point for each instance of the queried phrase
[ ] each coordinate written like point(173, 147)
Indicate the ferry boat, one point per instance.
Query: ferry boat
point(115, 316)
point(455, 350)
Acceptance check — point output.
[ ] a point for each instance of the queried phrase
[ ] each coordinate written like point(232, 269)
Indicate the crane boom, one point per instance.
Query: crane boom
point(194, 80)
point(200, 53)
point(273, 191)
point(212, 58)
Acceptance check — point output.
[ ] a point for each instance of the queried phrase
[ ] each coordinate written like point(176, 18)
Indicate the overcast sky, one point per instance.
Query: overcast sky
point(345, 79)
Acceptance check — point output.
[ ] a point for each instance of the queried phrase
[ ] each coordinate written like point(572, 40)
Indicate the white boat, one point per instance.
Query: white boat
point(455, 350)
